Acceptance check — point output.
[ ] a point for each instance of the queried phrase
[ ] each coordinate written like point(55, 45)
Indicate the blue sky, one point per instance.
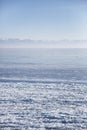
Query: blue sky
point(43, 19)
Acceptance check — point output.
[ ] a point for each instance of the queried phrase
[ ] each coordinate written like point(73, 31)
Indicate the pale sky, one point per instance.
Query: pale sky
point(43, 19)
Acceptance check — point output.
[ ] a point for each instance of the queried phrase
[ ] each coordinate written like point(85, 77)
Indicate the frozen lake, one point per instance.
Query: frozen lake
point(43, 89)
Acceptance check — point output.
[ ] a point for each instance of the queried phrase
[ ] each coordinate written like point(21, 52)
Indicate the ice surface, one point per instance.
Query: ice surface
point(43, 106)
point(43, 89)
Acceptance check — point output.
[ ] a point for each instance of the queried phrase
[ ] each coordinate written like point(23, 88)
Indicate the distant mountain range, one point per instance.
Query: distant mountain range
point(28, 43)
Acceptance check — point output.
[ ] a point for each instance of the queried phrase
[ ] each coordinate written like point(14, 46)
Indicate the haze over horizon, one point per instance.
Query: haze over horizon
point(28, 43)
